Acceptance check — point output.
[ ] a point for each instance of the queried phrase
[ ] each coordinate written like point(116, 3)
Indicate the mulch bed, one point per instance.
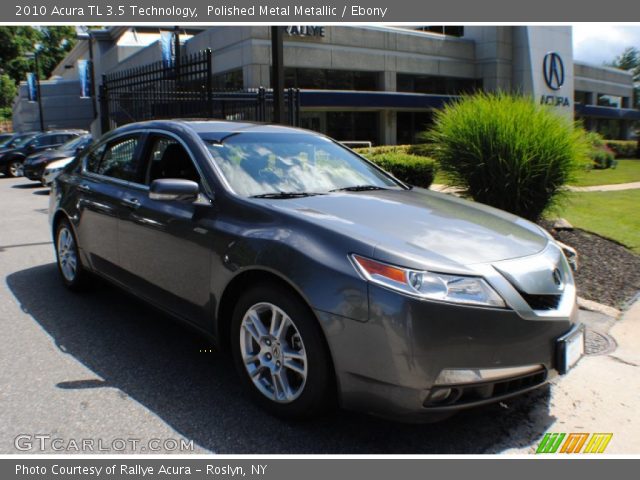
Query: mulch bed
point(608, 272)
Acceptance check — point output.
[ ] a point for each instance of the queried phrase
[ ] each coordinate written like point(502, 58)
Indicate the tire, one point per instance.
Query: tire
point(293, 376)
point(73, 274)
point(15, 169)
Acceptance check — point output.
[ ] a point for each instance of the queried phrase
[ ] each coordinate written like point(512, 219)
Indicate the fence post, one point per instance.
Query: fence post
point(104, 106)
point(209, 82)
point(290, 106)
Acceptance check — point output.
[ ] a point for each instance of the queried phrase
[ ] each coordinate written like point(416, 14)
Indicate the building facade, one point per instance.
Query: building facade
point(382, 84)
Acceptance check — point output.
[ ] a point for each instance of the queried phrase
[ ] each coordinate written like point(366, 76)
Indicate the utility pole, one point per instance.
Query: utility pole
point(277, 73)
point(38, 90)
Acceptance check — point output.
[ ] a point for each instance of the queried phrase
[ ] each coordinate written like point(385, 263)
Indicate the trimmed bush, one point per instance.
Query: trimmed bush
point(602, 158)
point(623, 148)
point(507, 151)
point(382, 149)
point(421, 149)
point(411, 169)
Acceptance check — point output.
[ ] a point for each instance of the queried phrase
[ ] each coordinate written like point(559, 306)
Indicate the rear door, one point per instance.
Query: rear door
point(165, 245)
point(108, 169)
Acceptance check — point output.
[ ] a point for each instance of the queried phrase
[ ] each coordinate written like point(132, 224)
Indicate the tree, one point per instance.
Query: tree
point(17, 42)
point(629, 60)
point(8, 91)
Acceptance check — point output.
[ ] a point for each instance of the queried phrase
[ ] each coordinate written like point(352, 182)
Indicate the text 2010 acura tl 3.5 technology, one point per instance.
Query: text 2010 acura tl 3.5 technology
point(330, 281)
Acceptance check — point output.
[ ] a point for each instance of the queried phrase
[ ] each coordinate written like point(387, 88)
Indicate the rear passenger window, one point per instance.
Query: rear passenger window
point(119, 160)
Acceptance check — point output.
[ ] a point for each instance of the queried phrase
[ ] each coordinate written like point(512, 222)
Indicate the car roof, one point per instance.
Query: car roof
point(213, 130)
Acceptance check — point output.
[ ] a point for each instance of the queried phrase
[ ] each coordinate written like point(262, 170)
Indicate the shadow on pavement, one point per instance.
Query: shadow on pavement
point(27, 186)
point(157, 362)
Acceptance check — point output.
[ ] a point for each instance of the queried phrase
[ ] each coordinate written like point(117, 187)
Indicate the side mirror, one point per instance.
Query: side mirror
point(167, 189)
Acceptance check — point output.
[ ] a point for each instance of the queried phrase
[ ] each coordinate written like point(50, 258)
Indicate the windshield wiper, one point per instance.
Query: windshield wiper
point(358, 188)
point(279, 195)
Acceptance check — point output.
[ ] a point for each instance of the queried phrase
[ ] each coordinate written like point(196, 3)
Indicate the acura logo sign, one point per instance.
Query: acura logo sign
point(553, 70)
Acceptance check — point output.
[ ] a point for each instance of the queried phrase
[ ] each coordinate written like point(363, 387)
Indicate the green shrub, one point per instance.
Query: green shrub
point(382, 149)
point(421, 149)
point(507, 151)
point(602, 158)
point(411, 169)
point(623, 148)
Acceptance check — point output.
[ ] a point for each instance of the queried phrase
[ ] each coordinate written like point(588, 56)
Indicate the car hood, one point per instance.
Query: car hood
point(433, 228)
point(49, 156)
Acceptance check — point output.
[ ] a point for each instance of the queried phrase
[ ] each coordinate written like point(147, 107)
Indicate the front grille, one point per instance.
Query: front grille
point(459, 395)
point(541, 302)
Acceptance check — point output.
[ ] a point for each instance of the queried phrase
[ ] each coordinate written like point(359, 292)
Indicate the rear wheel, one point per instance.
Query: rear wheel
point(279, 352)
point(74, 276)
point(15, 168)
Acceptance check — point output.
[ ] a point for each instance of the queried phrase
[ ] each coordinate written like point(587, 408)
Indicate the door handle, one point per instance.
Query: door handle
point(131, 202)
point(83, 187)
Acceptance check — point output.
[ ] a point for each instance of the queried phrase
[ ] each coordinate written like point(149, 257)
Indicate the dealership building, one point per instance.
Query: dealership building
point(360, 83)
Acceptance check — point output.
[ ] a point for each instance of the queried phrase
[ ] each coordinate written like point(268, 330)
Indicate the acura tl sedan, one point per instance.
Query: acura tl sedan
point(328, 280)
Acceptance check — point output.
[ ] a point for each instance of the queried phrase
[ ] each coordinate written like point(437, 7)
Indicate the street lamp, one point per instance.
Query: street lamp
point(34, 55)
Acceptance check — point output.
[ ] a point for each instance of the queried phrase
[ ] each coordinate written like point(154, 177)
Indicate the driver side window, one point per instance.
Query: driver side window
point(167, 158)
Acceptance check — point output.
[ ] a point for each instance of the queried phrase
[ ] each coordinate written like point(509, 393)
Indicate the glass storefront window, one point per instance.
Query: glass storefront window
point(438, 85)
point(614, 101)
point(344, 126)
point(325, 79)
point(585, 98)
point(231, 80)
point(411, 124)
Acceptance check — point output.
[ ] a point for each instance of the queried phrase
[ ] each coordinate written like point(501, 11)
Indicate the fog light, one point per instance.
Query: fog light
point(440, 395)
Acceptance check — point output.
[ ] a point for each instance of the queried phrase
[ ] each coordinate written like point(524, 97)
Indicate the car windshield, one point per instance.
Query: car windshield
point(20, 141)
point(75, 142)
point(293, 164)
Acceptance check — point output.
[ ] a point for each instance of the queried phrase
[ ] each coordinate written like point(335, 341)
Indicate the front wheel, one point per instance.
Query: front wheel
point(15, 168)
point(280, 354)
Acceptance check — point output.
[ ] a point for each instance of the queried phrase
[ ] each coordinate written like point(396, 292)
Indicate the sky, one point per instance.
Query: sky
point(599, 43)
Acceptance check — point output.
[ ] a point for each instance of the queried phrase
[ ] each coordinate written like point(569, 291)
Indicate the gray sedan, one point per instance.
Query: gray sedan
point(328, 280)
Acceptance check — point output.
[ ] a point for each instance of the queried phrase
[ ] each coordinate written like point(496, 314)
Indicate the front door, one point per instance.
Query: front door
point(165, 245)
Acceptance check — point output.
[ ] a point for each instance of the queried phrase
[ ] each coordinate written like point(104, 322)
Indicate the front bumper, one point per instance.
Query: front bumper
point(389, 365)
point(34, 171)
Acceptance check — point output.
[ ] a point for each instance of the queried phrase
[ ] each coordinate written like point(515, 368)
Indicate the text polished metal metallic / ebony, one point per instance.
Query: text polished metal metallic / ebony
point(329, 281)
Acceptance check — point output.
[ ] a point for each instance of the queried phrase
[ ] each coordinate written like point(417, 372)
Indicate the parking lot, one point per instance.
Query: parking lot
point(104, 366)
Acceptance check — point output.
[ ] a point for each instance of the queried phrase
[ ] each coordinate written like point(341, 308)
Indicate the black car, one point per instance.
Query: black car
point(16, 140)
point(330, 281)
point(12, 159)
point(34, 165)
point(5, 138)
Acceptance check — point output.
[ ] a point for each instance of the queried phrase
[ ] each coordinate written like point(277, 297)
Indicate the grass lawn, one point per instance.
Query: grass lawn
point(614, 215)
point(626, 171)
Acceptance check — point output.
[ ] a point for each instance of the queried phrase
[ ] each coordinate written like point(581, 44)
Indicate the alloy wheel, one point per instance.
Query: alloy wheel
point(67, 256)
point(16, 169)
point(273, 352)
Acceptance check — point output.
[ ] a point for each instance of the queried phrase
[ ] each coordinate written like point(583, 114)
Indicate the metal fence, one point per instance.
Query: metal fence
point(186, 90)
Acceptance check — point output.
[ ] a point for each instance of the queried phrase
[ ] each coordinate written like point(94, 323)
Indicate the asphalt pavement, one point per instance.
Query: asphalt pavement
point(105, 369)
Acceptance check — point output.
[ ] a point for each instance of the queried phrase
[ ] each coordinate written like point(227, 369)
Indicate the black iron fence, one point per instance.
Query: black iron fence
point(186, 90)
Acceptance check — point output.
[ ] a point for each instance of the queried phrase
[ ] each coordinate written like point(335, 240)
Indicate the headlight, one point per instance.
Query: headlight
point(429, 285)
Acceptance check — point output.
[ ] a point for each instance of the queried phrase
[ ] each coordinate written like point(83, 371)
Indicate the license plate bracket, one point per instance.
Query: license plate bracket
point(570, 348)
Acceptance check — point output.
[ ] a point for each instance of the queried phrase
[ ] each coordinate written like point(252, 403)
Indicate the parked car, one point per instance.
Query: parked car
point(12, 159)
point(15, 140)
point(330, 281)
point(34, 165)
point(54, 169)
point(5, 138)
